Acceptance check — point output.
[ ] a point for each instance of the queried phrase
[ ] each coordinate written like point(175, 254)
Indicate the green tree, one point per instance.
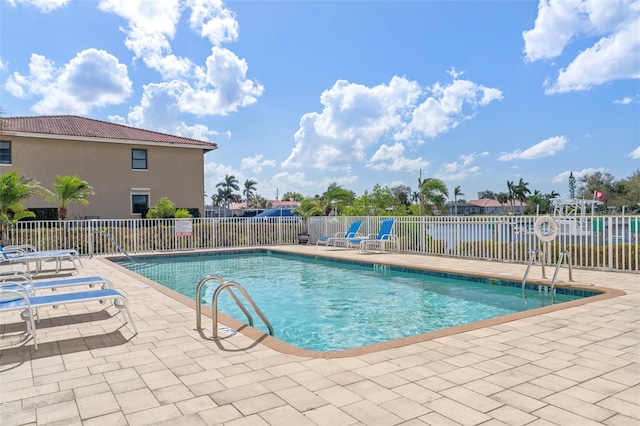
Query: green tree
point(631, 197)
point(520, 191)
point(14, 189)
point(402, 195)
point(308, 207)
point(511, 192)
point(434, 194)
point(335, 196)
point(456, 193)
point(165, 208)
point(67, 190)
point(249, 189)
point(226, 188)
point(487, 195)
point(292, 196)
point(502, 198)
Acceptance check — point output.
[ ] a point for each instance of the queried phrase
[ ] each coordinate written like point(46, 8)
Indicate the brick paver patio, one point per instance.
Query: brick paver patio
point(576, 366)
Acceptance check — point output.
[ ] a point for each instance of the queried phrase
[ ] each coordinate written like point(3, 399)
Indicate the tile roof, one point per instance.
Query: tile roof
point(71, 125)
point(487, 202)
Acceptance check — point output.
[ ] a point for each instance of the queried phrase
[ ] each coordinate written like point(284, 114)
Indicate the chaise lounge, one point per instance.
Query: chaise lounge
point(16, 297)
point(381, 239)
point(27, 254)
point(351, 233)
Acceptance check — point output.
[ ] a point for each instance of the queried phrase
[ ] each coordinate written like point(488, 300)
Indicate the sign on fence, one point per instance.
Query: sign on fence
point(184, 227)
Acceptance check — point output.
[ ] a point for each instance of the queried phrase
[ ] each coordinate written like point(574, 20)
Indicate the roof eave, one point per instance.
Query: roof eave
point(108, 140)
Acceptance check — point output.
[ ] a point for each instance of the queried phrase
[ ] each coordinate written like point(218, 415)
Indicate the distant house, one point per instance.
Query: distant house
point(238, 209)
point(130, 169)
point(483, 206)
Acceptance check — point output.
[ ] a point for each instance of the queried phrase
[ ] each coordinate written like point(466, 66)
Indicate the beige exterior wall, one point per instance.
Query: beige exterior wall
point(174, 172)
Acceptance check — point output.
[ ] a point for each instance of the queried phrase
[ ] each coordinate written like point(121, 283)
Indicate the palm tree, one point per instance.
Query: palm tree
point(502, 198)
point(511, 193)
point(67, 190)
point(163, 208)
point(420, 200)
point(456, 193)
point(308, 207)
point(520, 191)
point(434, 193)
point(335, 194)
point(226, 189)
point(14, 188)
point(249, 189)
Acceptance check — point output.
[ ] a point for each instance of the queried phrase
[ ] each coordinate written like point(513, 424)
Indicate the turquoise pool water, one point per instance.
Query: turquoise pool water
point(320, 304)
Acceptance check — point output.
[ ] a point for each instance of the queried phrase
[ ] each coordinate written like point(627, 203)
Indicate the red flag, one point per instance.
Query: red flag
point(599, 195)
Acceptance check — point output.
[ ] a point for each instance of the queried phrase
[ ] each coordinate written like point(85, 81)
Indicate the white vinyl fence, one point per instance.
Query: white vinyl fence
point(602, 242)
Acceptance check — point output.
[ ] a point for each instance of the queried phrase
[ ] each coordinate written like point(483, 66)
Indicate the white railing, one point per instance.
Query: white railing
point(603, 242)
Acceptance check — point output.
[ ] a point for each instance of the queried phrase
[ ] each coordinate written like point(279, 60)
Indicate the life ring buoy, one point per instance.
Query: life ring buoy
point(546, 228)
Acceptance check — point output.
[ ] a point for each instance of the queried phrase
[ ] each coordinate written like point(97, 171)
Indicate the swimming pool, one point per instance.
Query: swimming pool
point(321, 304)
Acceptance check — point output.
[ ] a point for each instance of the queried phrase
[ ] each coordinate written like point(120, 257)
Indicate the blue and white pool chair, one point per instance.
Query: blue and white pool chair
point(26, 280)
point(381, 239)
point(351, 233)
point(15, 296)
point(28, 254)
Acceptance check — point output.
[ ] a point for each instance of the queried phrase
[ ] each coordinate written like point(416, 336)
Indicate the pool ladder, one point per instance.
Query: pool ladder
point(114, 242)
point(226, 285)
point(564, 254)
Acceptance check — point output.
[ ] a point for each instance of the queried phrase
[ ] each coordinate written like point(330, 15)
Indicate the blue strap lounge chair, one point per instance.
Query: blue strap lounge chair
point(26, 281)
point(21, 254)
point(383, 237)
point(16, 299)
point(351, 233)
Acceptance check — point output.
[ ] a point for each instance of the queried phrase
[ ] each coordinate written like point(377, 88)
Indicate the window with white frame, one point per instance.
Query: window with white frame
point(139, 200)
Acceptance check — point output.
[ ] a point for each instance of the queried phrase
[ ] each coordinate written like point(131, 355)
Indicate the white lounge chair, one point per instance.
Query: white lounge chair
point(28, 255)
point(26, 280)
point(15, 297)
point(351, 233)
point(382, 238)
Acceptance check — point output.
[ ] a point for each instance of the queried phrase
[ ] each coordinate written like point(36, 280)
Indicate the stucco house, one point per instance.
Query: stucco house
point(484, 206)
point(129, 168)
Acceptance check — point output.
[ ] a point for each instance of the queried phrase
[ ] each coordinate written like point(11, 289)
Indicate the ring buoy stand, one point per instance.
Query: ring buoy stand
point(546, 228)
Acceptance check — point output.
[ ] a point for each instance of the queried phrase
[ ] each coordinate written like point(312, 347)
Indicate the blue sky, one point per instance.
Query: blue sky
point(300, 94)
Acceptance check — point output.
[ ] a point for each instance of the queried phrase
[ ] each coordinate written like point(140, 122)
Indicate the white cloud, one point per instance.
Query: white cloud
point(562, 22)
point(546, 148)
point(45, 6)
point(93, 79)
point(223, 86)
point(214, 173)
point(344, 181)
point(628, 100)
point(159, 110)
point(355, 117)
point(458, 170)
point(3, 65)
point(635, 154)
point(256, 163)
point(564, 176)
point(214, 21)
point(296, 180)
point(152, 24)
point(196, 131)
point(220, 86)
point(445, 109)
point(392, 158)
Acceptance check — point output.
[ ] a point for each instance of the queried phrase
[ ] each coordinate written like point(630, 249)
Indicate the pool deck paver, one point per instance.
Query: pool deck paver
point(576, 366)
